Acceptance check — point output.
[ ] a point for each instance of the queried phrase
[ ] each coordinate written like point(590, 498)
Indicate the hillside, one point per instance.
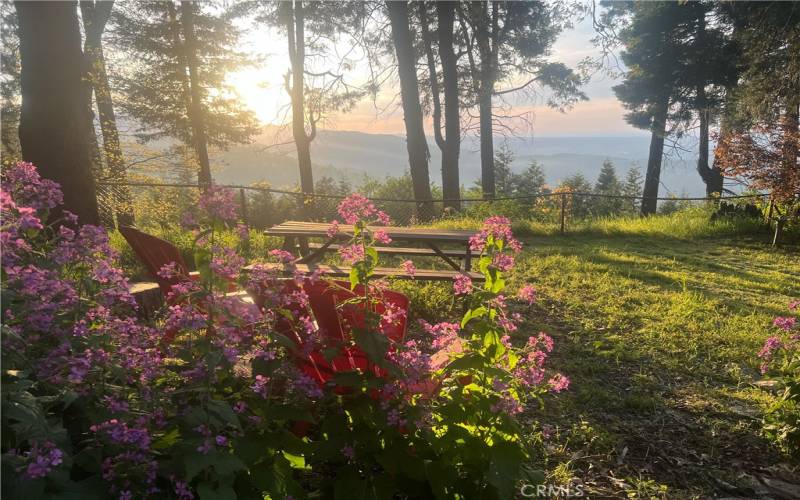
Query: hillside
point(353, 155)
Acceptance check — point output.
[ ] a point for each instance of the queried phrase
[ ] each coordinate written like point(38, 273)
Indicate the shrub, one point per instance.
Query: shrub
point(212, 401)
point(780, 358)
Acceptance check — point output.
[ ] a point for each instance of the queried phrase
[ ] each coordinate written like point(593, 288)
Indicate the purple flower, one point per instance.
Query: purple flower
point(784, 323)
point(219, 203)
point(349, 452)
point(282, 255)
point(41, 459)
point(260, 385)
point(221, 440)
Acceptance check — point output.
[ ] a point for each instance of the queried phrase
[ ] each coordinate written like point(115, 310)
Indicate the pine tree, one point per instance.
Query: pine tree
point(607, 185)
point(504, 177)
point(510, 40)
point(176, 58)
point(653, 56)
point(580, 204)
point(531, 181)
point(633, 189)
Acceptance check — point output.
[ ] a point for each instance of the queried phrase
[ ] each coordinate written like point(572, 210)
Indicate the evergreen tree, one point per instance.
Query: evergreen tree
point(531, 181)
point(652, 38)
point(505, 179)
point(607, 185)
point(633, 188)
point(176, 58)
point(511, 40)
point(580, 204)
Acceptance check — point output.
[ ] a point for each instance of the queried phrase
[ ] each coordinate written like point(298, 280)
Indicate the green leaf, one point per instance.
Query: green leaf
point(472, 314)
point(206, 491)
point(372, 343)
point(223, 411)
point(167, 440)
point(466, 362)
point(296, 461)
point(226, 463)
point(505, 460)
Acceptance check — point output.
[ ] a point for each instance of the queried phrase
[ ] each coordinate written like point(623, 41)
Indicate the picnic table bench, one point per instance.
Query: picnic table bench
point(296, 235)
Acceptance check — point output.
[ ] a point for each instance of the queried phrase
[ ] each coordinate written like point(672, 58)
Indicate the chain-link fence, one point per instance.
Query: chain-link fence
point(259, 207)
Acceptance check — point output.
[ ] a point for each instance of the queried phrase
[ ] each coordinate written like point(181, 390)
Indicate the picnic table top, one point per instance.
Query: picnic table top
point(320, 229)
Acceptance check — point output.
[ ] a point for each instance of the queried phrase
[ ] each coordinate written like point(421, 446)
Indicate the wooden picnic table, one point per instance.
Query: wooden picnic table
point(297, 233)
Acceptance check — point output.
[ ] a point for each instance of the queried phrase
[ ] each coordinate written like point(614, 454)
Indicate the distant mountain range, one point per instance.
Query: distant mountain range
point(356, 155)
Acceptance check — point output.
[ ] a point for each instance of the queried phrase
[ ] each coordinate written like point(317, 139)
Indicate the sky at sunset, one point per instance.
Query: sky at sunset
point(262, 89)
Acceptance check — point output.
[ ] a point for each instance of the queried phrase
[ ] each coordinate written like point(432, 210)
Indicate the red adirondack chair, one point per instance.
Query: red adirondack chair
point(155, 253)
point(337, 324)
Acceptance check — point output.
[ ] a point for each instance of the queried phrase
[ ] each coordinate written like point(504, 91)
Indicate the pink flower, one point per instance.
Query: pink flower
point(334, 229)
point(793, 305)
point(495, 228)
point(527, 294)
point(357, 208)
point(558, 383)
point(381, 237)
point(462, 284)
point(443, 333)
point(503, 262)
point(409, 268)
point(349, 452)
point(352, 253)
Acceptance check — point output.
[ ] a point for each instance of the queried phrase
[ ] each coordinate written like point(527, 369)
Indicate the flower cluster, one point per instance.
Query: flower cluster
point(198, 400)
point(357, 208)
point(219, 203)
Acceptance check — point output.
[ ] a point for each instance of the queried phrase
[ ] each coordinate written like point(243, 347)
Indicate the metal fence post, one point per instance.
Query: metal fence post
point(243, 200)
point(563, 207)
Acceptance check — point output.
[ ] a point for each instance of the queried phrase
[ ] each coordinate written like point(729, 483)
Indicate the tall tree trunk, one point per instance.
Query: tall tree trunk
point(416, 143)
point(487, 143)
point(790, 123)
point(653, 176)
point(53, 129)
point(196, 110)
point(712, 177)
point(432, 76)
point(483, 36)
point(451, 186)
point(95, 16)
point(297, 54)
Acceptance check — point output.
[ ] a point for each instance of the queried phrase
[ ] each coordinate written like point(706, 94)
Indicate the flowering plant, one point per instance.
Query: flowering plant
point(780, 359)
point(209, 401)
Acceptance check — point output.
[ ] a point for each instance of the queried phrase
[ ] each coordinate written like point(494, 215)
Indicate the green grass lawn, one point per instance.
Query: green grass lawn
point(657, 323)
